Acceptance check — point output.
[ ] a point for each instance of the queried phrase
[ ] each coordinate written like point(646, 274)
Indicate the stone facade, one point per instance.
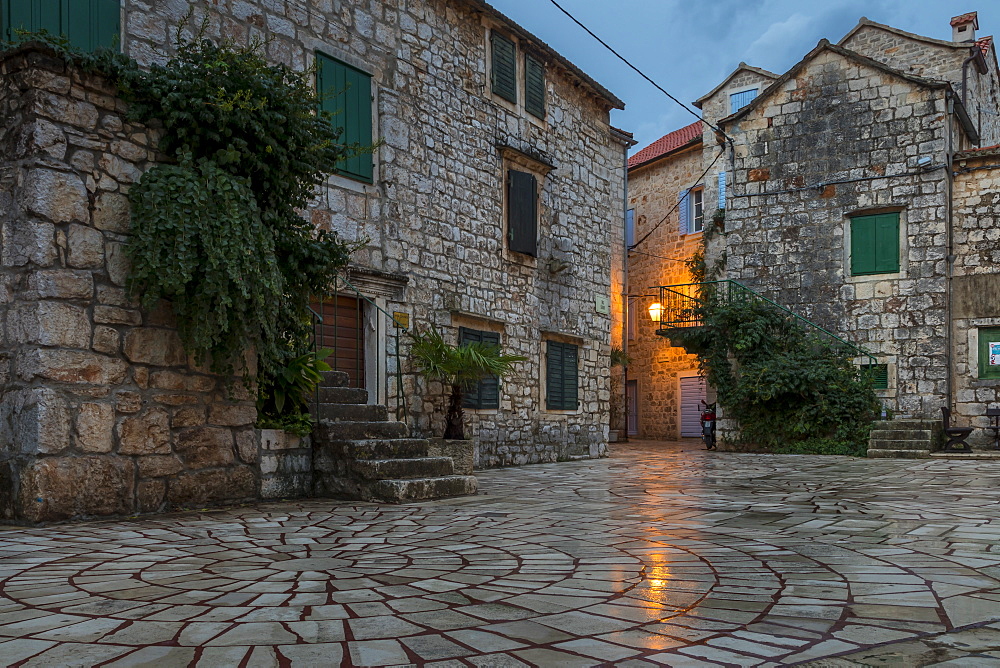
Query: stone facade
point(656, 365)
point(435, 212)
point(865, 127)
point(101, 412)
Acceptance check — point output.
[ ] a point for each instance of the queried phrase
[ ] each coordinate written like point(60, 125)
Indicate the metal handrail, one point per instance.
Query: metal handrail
point(684, 309)
point(402, 413)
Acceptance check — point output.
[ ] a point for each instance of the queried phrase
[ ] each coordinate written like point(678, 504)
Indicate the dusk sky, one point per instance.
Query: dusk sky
point(689, 47)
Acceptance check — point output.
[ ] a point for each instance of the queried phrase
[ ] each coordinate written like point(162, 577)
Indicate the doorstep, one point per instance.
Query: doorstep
point(975, 454)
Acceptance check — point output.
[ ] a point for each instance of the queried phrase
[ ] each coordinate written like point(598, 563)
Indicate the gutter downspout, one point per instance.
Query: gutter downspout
point(625, 290)
point(950, 255)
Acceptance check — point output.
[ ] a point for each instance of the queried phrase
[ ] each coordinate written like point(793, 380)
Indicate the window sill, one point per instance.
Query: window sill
point(521, 258)
point(869, 278)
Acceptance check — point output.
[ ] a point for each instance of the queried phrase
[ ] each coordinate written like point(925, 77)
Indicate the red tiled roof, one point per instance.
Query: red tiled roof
point(964, 18)
point(666, 144)
point(984, 44)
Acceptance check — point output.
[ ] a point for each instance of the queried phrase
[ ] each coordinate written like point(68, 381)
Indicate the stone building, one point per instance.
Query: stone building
point(492, 207)
point(842, 201)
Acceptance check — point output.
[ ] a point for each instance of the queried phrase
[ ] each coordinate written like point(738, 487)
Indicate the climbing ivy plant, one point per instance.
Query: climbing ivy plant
point(790, 390)
point(216, 227)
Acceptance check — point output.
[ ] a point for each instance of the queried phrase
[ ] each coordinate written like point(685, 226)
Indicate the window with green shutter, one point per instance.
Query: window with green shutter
point(522, 212)
point(879, 375)
point(561, 376)
point(504, 67)
point(534, 87)
point(875, 244)
point(485, 393)
point(989, 352)
point(87, 24)
point(346, 93)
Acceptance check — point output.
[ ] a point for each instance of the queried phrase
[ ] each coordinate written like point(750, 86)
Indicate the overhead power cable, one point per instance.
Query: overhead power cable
point(678, 202)
point(639, 72)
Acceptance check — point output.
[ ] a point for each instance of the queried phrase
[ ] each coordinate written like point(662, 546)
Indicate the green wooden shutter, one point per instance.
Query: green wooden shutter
point(87, 24)
point(522, 214)
point(504, 67)
point(489, 388)
point(534, 87)
point(887, 243)
point(863, 245)
point(561, 376)
point(346, 94)
point(470, 395)
point(570, 380)
point(988, 335)
point(879, 375)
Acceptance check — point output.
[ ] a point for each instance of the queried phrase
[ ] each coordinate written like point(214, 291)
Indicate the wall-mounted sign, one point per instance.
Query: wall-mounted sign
point(602, 304)
point(994, 353)
point(402, 319)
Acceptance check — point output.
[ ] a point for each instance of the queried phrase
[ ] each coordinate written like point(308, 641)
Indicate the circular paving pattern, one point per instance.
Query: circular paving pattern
point(662, 557)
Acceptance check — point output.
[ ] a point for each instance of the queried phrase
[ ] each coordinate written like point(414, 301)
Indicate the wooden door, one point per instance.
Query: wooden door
point(693, 391)
point(342, 331)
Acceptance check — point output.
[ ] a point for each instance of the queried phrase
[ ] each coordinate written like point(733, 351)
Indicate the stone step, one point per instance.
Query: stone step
point(901, 434)
point(375, 448)
point(418, 489)
point(890, 444)
point(907, 423)
point(343, 430)
point(336, 378)
point(416, 467)
point(975, 454)
point(342, 395)
point(353, 412)
point(898, 454)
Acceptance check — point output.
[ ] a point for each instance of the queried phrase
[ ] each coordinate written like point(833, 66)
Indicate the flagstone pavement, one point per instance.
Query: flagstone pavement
point(663, 554)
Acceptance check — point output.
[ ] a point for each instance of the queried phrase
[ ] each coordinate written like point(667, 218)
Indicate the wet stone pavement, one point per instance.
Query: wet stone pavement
point(663, 554)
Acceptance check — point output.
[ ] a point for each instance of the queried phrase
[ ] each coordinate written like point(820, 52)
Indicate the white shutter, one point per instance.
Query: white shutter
point(692, 392)
point(684, 211)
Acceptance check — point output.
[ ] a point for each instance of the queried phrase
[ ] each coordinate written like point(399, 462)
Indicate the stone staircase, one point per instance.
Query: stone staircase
point(358, 453)
point(904, 438)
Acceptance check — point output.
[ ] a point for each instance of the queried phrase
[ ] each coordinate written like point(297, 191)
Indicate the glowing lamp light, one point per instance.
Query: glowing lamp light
point(656, 312)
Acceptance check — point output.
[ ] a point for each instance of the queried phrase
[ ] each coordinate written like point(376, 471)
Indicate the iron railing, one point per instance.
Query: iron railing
point(680, 307)
point(393, 373)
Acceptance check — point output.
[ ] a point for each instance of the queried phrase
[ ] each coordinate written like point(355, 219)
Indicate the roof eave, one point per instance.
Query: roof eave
point(672, 152)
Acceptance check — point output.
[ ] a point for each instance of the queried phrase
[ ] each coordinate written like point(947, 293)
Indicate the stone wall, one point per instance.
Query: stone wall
point(101, 412)
point(839, 120)
point(976, 282)
point(435, 211)
point(656, 366)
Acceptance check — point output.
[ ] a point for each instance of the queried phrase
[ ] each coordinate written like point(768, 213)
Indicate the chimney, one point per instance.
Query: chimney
point(963, 28)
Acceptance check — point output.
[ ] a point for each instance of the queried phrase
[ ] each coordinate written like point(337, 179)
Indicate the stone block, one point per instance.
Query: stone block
point(113, 315)
point(232, 415)
point(61, 488)
point(247, 445)
point(170, 399)
point(145, 434)
point(205, 447)
point(95, 425)
point(158, 466)
point(106, 340)
point(461, 453)
point(158, 347)
point(50, 323)
point(128, 402)
point(118, 263)
point(40, 420)
point(200, 487)
point(150, 496)
point(278, 439)
point(85, 247)
point(28, 241)
point(111, 212)
point(70, 366)
point(61, 284)
point(59, 197)
point(188, 416)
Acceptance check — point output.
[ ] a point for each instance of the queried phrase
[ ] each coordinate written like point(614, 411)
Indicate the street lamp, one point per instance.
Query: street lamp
point(656, 312)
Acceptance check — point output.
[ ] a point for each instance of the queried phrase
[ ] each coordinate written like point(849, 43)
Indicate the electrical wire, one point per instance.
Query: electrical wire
point(678, 202)
point(640, 72)
point(660, 257)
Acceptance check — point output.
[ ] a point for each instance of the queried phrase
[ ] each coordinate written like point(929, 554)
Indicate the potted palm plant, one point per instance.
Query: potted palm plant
point(457, 367)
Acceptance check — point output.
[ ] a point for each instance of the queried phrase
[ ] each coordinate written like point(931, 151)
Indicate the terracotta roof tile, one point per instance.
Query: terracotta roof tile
point(984, 44)
point(666, 144)
point(965, 18)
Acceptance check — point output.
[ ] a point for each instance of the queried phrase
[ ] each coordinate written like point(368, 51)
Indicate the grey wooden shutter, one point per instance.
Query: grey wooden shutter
point(553, 376)
point(504, 67)
point(489, 387)
point(522, 215)
point(570, 380)
point(684, 211)
point(534, 87)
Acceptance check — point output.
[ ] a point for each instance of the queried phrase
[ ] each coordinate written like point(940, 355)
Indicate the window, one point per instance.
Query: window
point(561, 376)
point(879, 374)
point(697, 210)
point(522, 212)
point(989, 352)
point(485, 393)
point(346, 94)
point(739, 100)
point(87, 24)
point(504, 67)
point(875, 244)
point(722, 190)
point(534, 87)
point(691, 210)
point(630, 228)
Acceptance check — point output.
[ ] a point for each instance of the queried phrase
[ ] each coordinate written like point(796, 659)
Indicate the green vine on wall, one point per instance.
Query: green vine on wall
point(216, 228)
point(790, 390)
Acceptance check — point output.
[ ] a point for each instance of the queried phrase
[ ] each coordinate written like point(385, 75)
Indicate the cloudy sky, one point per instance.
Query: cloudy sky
point(689, 47)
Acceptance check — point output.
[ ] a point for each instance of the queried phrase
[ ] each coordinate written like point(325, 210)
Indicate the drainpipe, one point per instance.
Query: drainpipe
point(628, 307)
point(950, 257)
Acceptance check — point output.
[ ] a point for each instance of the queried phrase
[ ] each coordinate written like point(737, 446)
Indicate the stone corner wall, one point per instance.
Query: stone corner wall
point(101, 411)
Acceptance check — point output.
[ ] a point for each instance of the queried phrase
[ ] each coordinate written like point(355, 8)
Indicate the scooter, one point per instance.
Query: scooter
point(708, 425)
